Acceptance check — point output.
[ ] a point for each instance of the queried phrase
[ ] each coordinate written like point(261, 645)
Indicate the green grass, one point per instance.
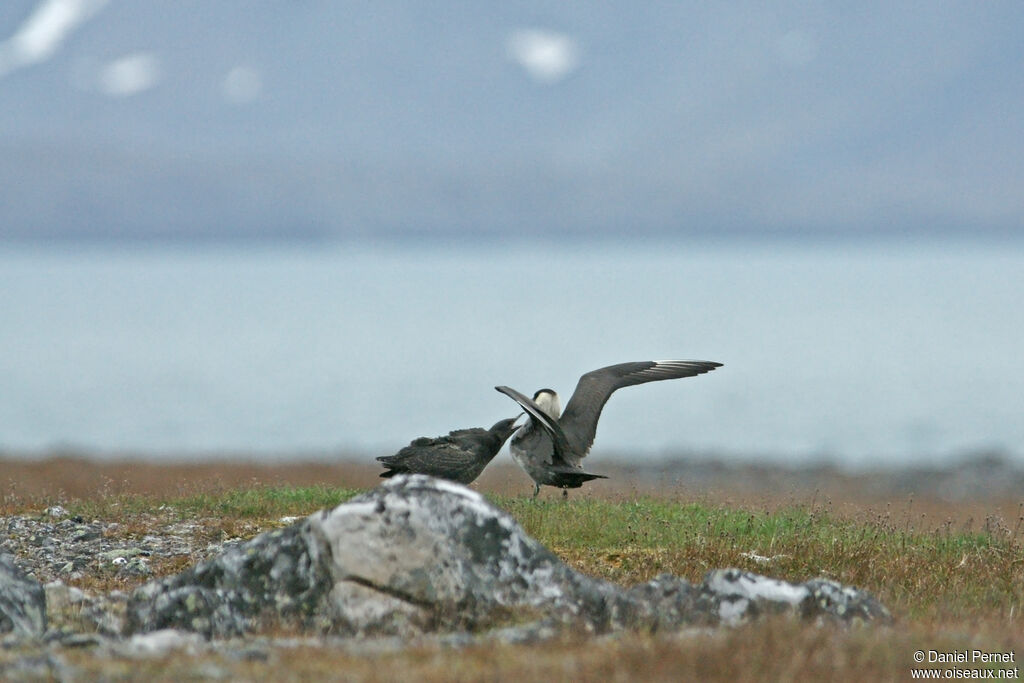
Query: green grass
point(940, 573)
point(251, 504)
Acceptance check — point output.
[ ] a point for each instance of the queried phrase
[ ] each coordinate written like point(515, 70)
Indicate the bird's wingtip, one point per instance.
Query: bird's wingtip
point(696, 366)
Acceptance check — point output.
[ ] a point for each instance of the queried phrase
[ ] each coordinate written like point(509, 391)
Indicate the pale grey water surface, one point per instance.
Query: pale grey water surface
point(859, 354)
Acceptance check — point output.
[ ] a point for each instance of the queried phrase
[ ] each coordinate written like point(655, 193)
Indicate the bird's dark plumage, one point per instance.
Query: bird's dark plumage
point(460, 456)
point(552, 444)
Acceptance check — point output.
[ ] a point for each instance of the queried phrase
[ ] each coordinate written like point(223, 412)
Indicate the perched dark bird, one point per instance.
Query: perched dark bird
point(461, 456)
point(551, 445)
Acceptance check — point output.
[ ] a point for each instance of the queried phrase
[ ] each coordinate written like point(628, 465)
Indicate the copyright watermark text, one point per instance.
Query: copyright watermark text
point(974, 664)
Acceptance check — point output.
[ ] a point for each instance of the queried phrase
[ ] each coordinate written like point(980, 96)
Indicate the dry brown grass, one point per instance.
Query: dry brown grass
point(75, 478)
point(772, 650)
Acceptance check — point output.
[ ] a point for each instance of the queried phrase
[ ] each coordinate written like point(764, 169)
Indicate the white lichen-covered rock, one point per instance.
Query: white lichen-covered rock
point(419, 555)
point(160, 644)
point(22, 601)
point(742, 595)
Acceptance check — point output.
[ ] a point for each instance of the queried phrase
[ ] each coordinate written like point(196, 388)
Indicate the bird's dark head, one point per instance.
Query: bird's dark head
point(504, 428)
point(547, 400)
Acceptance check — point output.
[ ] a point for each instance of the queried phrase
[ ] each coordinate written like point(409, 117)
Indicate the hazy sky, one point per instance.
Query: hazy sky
point(393, 117)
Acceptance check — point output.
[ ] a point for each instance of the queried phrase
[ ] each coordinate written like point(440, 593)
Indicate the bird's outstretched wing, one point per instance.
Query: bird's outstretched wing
point(579, 421)
point(563, 452)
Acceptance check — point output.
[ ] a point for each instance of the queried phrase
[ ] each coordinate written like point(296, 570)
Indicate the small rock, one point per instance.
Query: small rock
point(137, 567)
point(86, 534)
point(762, 559)
point(82, 640)
point(525, 635)
point(42, 541)
point(159, 643)
point(250, 653)
point(120, 555)
point(43, 667)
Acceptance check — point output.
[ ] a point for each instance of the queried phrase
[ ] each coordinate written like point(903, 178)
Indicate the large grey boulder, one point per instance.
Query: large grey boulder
point(22, 601)
point(280, 575)
point(420, 555)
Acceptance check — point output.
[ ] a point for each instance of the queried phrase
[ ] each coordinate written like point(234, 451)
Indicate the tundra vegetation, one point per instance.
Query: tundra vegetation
point(950, 571)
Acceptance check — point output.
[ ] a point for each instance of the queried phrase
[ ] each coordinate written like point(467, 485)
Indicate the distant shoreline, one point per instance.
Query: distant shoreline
point(675, 459)
point(442, 239)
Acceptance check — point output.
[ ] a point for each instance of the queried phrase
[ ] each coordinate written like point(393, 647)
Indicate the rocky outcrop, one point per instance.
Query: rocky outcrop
point(282, 574)
point(22, 601)
point(419, 555)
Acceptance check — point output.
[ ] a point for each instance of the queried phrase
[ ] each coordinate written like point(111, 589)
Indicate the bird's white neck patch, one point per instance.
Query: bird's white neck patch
point(549, 403)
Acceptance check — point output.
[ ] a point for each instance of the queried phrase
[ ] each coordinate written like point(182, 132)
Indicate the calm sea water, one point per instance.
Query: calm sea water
point(857, 354)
